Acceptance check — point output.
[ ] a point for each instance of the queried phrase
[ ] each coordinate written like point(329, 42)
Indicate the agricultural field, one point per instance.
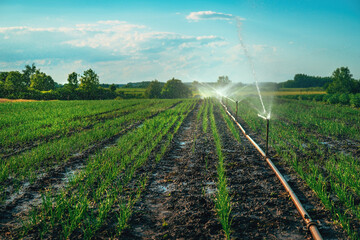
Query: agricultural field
point(322, 144)
point(153, 169)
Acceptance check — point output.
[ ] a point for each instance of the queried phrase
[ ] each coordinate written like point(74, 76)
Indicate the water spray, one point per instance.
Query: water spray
point(250, 60)
point(218, 93)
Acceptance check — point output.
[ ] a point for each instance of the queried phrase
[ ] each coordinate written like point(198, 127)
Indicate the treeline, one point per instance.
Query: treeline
point(34, 84)
point(306, 81)
point(340, 82)
point(173, 88)
point(343, 89)
point(31, 83)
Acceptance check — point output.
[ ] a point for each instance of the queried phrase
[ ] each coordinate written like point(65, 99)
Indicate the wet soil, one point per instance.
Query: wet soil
point(179, 200)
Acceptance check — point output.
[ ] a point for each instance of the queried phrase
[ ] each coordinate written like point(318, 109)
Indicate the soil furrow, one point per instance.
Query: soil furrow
point(178, 202)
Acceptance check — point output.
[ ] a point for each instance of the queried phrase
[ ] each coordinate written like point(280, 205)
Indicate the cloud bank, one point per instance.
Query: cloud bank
point(118, 50)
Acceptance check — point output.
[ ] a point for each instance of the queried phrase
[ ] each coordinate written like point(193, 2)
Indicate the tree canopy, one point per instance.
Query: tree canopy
point(154, 89)
point(14, 82)
point(342, 82)
point(112, 88)
point(223, 80)
point(174, 88)
point(28, 72)
point(73, 79)
point(306, 81)
point(89, 80)
point(41, 81)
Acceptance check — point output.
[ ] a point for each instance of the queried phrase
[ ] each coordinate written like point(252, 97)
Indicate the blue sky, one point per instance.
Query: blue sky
point(128, 41)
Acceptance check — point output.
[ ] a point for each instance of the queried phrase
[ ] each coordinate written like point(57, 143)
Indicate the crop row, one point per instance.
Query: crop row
point(222, 198)
point(336, 121)
point(28, 165)
point(328, 173)
point(49, 119)
point(104, 193)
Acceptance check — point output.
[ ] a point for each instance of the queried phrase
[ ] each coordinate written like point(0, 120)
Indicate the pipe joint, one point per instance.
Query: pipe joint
point(311, 223)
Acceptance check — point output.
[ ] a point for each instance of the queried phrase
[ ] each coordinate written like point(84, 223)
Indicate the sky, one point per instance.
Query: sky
point(132, 41)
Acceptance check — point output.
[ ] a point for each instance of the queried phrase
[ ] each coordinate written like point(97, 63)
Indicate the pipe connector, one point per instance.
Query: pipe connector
point(311, 223)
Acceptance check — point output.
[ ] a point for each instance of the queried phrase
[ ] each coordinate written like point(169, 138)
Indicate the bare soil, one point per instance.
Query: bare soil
point(179, 200)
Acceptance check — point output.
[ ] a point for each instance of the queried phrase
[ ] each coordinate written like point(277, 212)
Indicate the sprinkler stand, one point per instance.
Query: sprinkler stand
point(236, 111)
point(267, 136)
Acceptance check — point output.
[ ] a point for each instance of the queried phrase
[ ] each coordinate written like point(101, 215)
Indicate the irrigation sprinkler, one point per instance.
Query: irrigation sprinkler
point(267, 134)
point(310, 224)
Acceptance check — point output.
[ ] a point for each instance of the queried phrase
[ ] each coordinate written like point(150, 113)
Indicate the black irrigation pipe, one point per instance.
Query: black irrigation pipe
point(310, 224)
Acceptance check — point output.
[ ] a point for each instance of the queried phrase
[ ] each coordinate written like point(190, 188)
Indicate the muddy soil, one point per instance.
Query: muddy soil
point(178, 202)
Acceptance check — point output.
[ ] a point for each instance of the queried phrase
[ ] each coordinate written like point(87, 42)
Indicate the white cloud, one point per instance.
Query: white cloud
point(210, 15)
point(119, 51)
point(206, 37)
point(258, 47)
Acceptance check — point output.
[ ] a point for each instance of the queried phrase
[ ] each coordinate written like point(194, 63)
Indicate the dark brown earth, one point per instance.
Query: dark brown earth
point(178, 202)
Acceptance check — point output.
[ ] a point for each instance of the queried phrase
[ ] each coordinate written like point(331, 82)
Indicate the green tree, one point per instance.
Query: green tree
point(28, 72)
point(14, 82)
point(223, 80)
point(73, 80)
point(342, 81)
point(3, 76)
point(41, 81)
point(174, 88)
point(89, 80)
point(112, 87)
point(154, 89)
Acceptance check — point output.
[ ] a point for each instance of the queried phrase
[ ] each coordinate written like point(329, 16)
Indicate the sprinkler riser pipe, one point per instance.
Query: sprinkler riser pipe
point(267, 137)
point(236, 112)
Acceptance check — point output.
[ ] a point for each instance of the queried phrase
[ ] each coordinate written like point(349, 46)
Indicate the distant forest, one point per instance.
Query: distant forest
point(306, 81)
point(31, 83)
point(341, 82)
